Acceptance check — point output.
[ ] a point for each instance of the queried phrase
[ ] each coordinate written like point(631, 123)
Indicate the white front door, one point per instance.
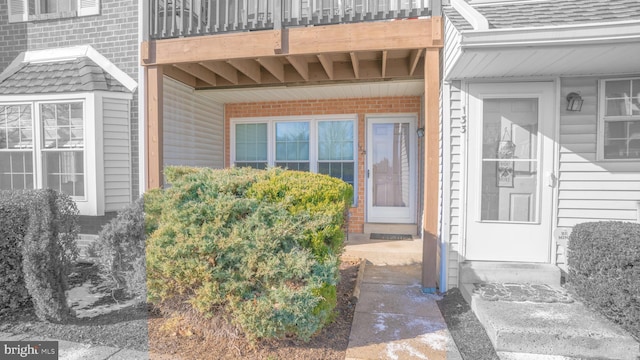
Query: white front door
point(391, 169)
point(510, 172)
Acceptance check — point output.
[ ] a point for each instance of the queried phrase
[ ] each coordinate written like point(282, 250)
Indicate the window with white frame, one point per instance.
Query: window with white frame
point(620, 119)
point(325, 145)
point(27, 10)
point(43, 142)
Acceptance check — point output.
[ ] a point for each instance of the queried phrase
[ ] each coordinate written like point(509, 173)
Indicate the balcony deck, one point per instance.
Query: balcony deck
point(183, 18)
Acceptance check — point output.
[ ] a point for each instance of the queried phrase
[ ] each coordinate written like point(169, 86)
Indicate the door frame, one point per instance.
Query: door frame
point(413, 167)
point(471, 188)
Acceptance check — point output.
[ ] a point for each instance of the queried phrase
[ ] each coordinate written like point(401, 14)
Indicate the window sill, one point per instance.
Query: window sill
point(53, 16)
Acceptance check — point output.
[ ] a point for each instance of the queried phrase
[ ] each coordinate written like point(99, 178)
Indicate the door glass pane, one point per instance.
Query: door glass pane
point(510, 160)
point(390, 173)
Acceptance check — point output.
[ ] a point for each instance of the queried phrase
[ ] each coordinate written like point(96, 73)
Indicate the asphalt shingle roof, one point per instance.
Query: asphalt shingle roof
point(549, 13)
point(80, 74)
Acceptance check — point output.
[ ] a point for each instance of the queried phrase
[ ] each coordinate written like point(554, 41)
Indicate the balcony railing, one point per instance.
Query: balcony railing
point(179, 18)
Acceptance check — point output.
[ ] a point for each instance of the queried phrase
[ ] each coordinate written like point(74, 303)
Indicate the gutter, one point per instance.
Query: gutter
point(575, 34)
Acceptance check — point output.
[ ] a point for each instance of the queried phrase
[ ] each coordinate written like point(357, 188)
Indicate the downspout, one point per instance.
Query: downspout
point(143, 35)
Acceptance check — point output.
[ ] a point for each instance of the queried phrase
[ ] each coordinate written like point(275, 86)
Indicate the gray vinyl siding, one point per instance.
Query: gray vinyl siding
point(452, 115)
point(590, 189)
point(117, 154)
point(193, 128)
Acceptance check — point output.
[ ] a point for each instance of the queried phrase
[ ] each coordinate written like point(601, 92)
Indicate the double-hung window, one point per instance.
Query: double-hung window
point(43, 143)
point(322, 144)
point(620, 119)
point(30, 10)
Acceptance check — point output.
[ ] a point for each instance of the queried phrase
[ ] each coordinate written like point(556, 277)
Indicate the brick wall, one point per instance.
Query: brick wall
point(13, 37)
point(360, 106)
point(113, 33)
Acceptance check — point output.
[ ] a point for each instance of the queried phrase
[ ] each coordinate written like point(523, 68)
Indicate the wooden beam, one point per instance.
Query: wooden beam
point(177, 74)
point(301, 65)
point(430, 248)
point(366, 36)
point(200, 72)
point(327, 64)
point(437, 30)
point(223, 69)
point(356, 64)
point(251, 68)
point(153, 124)
point(414, 57)
point(385, 54)
point(274, 66)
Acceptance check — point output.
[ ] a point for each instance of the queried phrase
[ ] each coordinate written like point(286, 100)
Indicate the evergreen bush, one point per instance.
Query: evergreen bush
point(267, 263)
point(604, 269)
point(120, 251)
point(48, 252)
point(14, 222)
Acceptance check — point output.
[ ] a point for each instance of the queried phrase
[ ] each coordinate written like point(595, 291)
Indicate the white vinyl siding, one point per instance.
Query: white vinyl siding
point(452, 114)
point(193, 128)
point(589, 189)
point(452, 49)
point(117, 154)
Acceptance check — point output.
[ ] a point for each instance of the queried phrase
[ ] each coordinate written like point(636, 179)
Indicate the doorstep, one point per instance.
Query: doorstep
point(550, 329)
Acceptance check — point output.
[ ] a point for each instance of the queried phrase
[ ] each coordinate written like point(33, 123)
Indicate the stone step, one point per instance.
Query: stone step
point(551, 329)
point(504, 272)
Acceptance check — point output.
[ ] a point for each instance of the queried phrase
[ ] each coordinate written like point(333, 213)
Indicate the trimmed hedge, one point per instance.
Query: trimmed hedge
point(604, 269)
point(120, 251)
point(47, 249)
point(253, 246)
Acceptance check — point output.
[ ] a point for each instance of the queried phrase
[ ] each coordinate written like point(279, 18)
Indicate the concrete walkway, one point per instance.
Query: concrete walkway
point(68, 350)
point(393, 319)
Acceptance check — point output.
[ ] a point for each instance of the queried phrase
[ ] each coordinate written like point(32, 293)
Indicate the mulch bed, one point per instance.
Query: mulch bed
point(138, 328)
point(465, 328)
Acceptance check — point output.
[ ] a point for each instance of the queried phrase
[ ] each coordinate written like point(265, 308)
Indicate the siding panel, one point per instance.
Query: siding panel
point(193, 128)
point(117, 154)
point(590, 189)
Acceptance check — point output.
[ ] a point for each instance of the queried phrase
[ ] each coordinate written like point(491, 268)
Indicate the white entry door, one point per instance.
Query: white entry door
point(391, 169)
point(510, 172)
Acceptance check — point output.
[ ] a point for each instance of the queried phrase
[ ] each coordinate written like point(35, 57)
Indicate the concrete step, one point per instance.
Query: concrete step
point(379, 228)
point(551, 329)
point(507, 272)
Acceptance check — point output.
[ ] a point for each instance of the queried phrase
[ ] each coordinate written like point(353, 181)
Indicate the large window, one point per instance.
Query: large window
point(620, 119)
point(52, 155)
point(325, 145)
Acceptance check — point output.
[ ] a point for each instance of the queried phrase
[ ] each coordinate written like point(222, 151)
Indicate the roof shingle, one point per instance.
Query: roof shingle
point(549, 13)
point(80, 74)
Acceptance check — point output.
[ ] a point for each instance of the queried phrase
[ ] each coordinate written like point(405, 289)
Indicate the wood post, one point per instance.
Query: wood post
point(153, 124)
point(430, 248)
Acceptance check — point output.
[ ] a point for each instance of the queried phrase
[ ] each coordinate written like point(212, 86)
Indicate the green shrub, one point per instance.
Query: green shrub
point(604, 269)
point(14, 221)
point(48, 251)
point(228, 252)
point(120, 251)
point(325, 199)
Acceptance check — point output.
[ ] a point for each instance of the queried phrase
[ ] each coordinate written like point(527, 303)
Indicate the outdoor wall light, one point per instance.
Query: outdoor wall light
point(420, 132)
point(574, 102)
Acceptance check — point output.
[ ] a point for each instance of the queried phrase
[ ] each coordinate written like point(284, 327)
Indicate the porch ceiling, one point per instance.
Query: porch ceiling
point(389, 50)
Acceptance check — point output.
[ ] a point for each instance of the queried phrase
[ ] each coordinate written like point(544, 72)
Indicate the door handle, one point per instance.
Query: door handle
point(552, 179)
point(368, 173)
